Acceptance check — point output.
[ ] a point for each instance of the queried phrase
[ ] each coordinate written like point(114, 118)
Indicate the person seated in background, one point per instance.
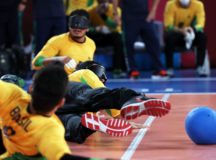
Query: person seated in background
point(72, 5)
point(71, 47)
point(106, 32)
point(184, 22)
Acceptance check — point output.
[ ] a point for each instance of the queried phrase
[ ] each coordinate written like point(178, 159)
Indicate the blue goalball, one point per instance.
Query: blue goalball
point(200, 125)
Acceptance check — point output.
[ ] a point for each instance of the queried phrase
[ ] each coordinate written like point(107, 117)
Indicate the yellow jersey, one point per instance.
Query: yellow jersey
point(72, 5)
point(63, 45)
point(88, 77)
point(26, 133)
point(176, 16)
point(96, 19)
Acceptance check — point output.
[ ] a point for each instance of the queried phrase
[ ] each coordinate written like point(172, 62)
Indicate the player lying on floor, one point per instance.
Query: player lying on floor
point(30, 129)
point(80, 98)
point(94, 75)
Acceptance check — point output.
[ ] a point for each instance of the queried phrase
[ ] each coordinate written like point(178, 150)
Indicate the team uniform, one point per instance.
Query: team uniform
point(86, 76)
point(97, 20)
point(25, 133)
point(113, 37)
point(81, 98)
point(63, 45)
point(72, 5)
point(177, 16)
point(72, 120)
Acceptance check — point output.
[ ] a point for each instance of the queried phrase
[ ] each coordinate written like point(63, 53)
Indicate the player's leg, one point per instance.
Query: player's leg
point(112, 126)
point(74, 130)
point(124, 99)
point(142, 105)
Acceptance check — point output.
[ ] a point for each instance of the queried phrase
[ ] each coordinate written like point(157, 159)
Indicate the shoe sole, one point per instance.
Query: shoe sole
point(113, 127)
point(152, 107)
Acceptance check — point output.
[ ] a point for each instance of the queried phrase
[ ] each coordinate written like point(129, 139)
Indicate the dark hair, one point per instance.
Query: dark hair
point(95, 67)
point(79, 19)
point(80, 12)
point(49, 87)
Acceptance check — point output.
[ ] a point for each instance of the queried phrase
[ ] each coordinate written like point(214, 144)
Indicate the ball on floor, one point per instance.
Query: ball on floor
point(200, 125)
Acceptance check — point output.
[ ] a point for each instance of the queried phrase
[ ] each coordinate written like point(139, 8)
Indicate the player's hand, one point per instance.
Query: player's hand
point(21, 7)
point(189, 29)
point(151, 16)
point(182, 31)
point(63, 59)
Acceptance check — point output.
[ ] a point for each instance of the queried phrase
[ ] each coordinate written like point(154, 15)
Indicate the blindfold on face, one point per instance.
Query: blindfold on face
point(79, 22)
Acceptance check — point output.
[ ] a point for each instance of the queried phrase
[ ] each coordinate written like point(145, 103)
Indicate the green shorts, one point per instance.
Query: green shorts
point(19, 156)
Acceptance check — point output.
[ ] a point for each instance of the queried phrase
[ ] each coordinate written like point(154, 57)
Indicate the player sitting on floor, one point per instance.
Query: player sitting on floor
point(30, 128)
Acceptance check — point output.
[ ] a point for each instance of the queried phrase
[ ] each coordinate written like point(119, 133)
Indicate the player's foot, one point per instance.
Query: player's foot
point(137, 107)
point(113, 127)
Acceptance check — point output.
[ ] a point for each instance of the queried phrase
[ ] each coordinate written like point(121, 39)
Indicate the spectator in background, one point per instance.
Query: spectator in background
point(9, 29)
point(50, 20)
point(71, 47)
point(72, 5)
point(106, 32)
point(27, 27)
point(184, 22)
point(137, 20)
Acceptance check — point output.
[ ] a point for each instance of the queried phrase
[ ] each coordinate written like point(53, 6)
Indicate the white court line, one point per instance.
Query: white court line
point(164, 80)
point(140, 135)
point(185, 93)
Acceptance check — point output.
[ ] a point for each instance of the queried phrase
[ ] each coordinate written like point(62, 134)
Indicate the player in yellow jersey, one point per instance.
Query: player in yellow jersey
point(93, 74)
point(81, 98)
point(184, 22)
point(106, 32)
point(30, 128)
point(70, 48)
point(72, 5)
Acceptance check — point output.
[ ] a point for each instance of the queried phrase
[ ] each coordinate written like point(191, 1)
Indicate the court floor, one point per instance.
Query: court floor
point(166, 139)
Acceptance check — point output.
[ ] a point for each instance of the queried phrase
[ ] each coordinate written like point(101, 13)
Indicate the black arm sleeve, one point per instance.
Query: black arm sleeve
point(81, 98)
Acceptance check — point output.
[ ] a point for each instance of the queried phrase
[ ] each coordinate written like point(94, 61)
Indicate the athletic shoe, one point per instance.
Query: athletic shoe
point(134, 74)
point(170, 72)
point(113, 127)
point(202, 71)
point(137, 107)
point(118, 73)
point(160, 75)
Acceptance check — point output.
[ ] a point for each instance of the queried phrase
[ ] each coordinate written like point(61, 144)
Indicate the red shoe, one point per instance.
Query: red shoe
point(113, 127)
point(153, 107)
point(134, 74)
